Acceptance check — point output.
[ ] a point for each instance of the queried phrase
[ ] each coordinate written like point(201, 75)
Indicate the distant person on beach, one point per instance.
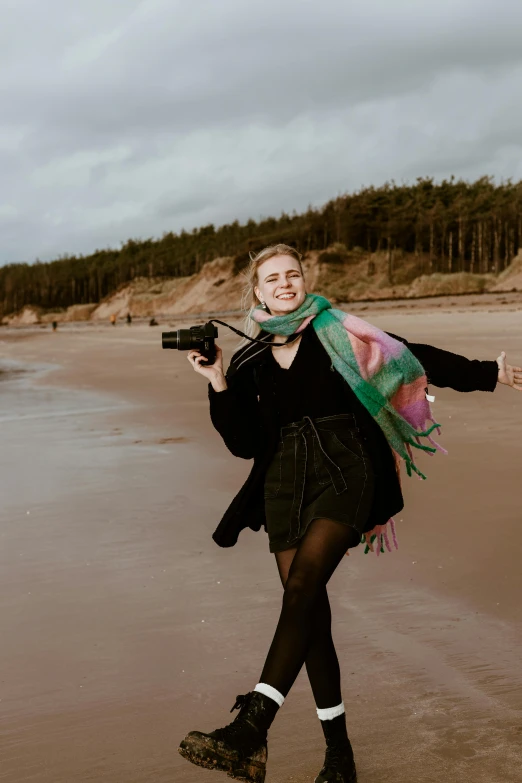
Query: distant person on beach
point(153, 322)
point(113, 319)
point(328, 406)
point(55, 325)
point(129, 318)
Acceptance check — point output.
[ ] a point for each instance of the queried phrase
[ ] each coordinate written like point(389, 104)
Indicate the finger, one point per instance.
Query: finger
point(201, 361)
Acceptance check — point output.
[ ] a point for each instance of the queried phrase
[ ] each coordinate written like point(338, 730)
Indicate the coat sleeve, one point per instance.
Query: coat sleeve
point(235, 414)
point(444, 368)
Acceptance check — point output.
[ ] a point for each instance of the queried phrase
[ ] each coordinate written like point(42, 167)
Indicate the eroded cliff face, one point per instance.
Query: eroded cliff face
point(511, 278)
point(27, 316)
point(214, 287)
point(217, 288)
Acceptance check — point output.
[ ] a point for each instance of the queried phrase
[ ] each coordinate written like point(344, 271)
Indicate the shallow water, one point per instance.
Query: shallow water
point(47, 433)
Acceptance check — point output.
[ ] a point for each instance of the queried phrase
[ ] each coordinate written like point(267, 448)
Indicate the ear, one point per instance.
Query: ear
point(257, 292)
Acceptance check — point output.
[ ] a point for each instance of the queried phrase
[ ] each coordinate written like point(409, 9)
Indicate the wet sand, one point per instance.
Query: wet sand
point(124, 625)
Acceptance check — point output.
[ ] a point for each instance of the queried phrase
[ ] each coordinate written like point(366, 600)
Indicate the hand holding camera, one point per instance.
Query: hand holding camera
point(213, 372)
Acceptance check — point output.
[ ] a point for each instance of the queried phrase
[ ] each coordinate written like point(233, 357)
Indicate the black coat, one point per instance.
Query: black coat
point(245, 417)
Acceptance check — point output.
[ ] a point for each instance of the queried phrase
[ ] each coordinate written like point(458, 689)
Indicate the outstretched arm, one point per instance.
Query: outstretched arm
point(448, 369)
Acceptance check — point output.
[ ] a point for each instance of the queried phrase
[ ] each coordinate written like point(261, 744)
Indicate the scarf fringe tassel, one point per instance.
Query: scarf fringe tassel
point(410, 464)
point(378, 538)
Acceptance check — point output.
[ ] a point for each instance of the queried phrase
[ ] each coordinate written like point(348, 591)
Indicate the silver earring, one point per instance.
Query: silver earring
point(263, 305)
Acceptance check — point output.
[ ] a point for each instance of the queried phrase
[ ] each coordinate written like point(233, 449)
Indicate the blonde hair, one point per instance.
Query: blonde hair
point(249, 300)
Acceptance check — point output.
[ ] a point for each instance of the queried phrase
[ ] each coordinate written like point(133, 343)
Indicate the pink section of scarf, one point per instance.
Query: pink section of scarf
point(371, 346)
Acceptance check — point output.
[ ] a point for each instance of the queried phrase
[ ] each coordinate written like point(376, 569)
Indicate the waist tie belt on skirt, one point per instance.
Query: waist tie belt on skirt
point(298, 431)
point(298, 491)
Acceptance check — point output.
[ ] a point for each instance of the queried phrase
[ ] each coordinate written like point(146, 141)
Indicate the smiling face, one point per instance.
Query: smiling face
point(280, 283)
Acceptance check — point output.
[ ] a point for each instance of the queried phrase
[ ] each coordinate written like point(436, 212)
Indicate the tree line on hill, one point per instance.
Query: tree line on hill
point(452, 226)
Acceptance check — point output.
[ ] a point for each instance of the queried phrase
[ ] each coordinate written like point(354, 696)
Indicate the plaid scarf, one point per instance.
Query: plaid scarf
point(383, 373)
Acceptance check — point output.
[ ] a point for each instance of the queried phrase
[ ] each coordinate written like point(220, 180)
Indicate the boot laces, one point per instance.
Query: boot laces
point(238, 725)
point(241, 700)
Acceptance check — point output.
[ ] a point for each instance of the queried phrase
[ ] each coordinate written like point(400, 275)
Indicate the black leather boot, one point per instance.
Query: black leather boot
point(240, 748)
point(339, 764)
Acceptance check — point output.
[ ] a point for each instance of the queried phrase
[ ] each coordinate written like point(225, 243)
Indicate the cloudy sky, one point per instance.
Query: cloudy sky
point(129, 118)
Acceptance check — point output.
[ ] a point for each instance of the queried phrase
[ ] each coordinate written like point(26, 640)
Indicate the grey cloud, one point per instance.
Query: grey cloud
point(261, 74)
point(138, 117)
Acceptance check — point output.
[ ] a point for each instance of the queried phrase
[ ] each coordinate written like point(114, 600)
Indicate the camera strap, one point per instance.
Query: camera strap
point(289, 339)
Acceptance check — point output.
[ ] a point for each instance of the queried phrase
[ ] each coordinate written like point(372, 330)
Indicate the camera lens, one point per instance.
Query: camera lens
point(182, 339)
point(169, 339)
point(197, 337)
point(186, 339)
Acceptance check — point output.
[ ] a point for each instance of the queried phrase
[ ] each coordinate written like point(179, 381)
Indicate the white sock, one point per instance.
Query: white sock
point(331, 712)
point(272, 693)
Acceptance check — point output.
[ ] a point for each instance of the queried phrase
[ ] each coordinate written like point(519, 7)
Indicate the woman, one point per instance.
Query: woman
point(325, 404)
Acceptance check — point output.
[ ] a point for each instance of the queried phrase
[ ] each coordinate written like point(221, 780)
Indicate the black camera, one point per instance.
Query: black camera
point(199, 338)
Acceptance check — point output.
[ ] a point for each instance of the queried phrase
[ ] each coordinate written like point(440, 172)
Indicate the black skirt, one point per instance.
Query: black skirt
point(321, 469)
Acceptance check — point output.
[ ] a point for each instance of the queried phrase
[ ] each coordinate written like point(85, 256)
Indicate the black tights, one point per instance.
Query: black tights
point(303, 633)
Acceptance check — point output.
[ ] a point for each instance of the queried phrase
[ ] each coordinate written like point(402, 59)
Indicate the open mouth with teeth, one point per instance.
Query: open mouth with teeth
point(286, 296)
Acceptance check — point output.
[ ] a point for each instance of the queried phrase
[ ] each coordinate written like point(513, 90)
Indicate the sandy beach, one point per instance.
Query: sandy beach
point(124, 626)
